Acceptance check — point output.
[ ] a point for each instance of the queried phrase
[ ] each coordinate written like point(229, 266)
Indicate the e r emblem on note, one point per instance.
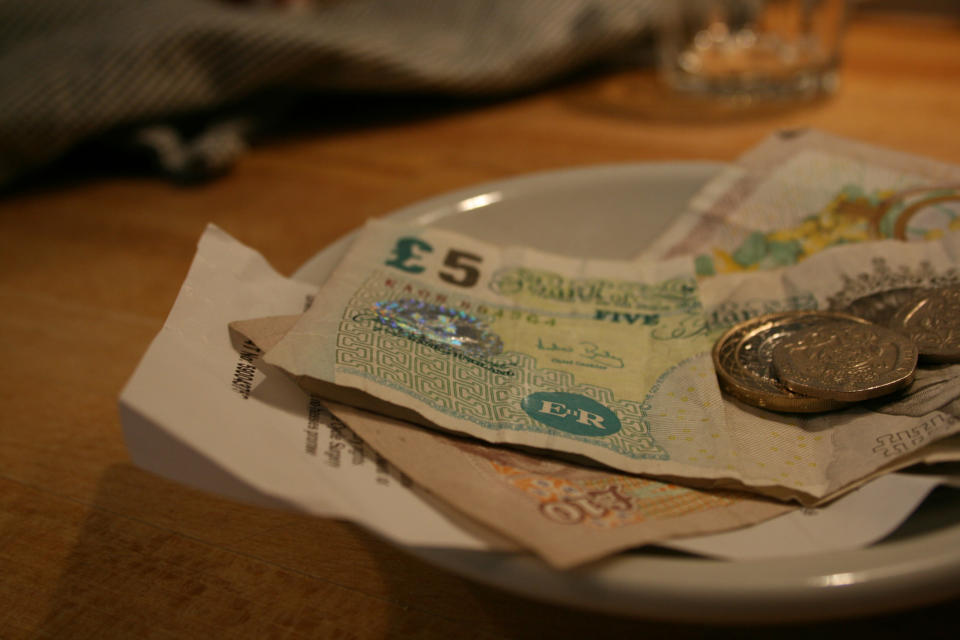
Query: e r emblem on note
point(572, 413)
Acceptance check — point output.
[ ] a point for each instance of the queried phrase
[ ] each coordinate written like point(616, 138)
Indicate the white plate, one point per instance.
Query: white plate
point(614, 212)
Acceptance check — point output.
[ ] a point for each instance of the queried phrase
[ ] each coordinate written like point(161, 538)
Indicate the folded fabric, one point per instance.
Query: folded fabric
point(74, 69)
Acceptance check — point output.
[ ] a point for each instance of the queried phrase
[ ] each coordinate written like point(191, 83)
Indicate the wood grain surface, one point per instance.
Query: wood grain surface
point(90, 263)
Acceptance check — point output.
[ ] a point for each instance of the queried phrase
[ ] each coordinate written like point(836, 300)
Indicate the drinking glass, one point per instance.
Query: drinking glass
point(756, 49)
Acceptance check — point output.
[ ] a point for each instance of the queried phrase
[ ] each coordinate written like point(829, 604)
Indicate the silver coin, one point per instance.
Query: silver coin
point(743, 358)
point(881, 306)
point(845, 361)
point(932, 321)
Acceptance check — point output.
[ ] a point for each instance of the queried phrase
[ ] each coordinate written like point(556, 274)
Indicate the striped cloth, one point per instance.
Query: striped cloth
point(73, 70)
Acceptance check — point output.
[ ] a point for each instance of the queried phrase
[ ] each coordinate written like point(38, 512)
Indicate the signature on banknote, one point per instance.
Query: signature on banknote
point(584, 353)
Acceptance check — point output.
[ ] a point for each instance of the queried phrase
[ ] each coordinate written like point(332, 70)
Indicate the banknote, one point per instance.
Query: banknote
point(800, 192)
point(599, 359)
point(570, 514)
point(506, 344)
point(567, 514)
point(199, 412)
point(823, 452)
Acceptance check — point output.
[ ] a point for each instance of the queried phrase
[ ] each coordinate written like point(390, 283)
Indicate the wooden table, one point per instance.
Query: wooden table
point(93, 547)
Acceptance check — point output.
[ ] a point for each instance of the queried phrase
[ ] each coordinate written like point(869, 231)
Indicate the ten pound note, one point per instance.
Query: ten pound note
point(600, 359)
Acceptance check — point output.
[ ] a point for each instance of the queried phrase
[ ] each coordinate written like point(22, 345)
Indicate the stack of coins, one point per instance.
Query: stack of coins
point(812, 361)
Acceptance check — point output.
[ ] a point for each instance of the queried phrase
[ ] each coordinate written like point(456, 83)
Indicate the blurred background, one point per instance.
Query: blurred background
point(181, 88)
